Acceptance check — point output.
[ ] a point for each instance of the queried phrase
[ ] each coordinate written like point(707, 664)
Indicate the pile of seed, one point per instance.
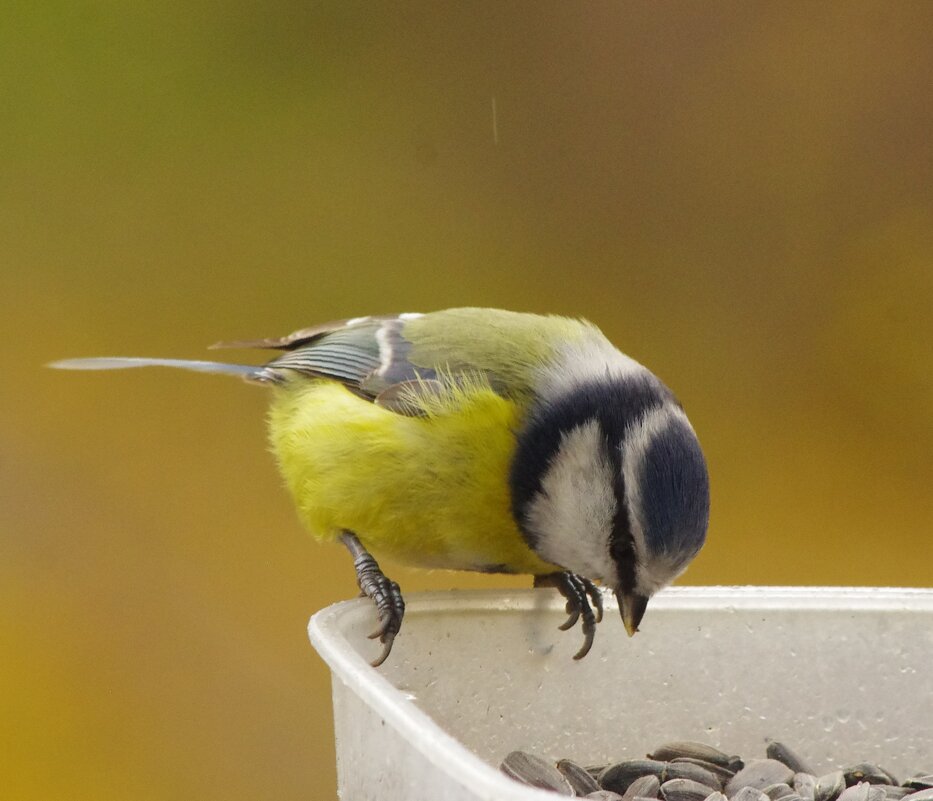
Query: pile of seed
point(686, 771)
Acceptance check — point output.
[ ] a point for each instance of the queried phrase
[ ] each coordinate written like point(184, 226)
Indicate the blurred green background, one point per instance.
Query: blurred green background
point(739, 194)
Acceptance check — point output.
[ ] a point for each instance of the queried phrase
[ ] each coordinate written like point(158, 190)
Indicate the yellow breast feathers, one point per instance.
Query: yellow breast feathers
point(428, 490)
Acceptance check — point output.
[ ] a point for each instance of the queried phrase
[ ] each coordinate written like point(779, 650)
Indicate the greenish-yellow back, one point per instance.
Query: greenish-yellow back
point(508, 345)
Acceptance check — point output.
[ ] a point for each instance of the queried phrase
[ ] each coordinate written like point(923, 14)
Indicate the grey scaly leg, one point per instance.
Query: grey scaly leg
point(385, 593)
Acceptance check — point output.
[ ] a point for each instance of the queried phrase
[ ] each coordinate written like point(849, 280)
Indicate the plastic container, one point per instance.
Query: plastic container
point(841, 675)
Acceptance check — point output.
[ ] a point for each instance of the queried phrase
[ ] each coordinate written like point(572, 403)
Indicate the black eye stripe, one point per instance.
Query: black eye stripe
point(621, 541)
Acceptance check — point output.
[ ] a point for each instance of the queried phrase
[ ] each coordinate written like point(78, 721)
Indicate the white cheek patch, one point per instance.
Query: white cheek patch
point(573, 513)
point(657, 572)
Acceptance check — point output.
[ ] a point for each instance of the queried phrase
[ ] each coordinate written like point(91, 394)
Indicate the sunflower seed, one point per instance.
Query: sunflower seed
point(759, 773)
point(866, 772)
point(643, 787)
point(619, 776)
point(805, 785)
point(577, 777)
point(684, 790)
point(891, 778)
point(687, 776)
point(920, 795)
point(690, 750)
point(749, 794)
point(782, 753)
point(857, 792)
point(720, 772)
point(535, 772)
point(862, 791)
point(829, 787)
point(687, 770)
point(778, 790)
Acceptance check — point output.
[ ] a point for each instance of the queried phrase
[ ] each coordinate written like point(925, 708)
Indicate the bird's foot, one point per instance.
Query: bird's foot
point(578, 591)
point(384, 593)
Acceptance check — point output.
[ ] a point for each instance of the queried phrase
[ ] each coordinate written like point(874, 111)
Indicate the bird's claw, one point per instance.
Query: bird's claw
point(384, 593)
point(578, 591)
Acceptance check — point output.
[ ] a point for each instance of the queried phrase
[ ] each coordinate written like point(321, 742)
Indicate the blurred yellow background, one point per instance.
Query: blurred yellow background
point(739, 194)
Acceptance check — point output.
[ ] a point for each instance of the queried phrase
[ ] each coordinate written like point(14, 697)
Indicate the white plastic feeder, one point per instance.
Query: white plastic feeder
point(841, 675)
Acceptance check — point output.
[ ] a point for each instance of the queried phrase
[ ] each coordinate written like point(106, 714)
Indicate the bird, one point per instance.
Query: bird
point(481, 440)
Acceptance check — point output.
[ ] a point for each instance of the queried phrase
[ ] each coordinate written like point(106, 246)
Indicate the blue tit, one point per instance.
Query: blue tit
point(484, 440)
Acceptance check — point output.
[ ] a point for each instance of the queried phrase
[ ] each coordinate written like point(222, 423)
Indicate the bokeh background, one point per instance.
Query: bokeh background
point(739, 194)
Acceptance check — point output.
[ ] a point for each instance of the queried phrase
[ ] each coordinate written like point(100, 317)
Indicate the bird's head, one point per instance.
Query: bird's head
point(609, 482)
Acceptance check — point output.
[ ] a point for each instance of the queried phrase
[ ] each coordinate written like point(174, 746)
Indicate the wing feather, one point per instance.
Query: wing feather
point(394, 360)
point(302, 336)
point(352, 352)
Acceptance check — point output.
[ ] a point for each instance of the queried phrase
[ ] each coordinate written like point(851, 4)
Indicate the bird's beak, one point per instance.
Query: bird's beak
point(633, 608)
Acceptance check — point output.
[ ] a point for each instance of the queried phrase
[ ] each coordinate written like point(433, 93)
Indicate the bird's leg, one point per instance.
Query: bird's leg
point(385, 593)
point(578, 591)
